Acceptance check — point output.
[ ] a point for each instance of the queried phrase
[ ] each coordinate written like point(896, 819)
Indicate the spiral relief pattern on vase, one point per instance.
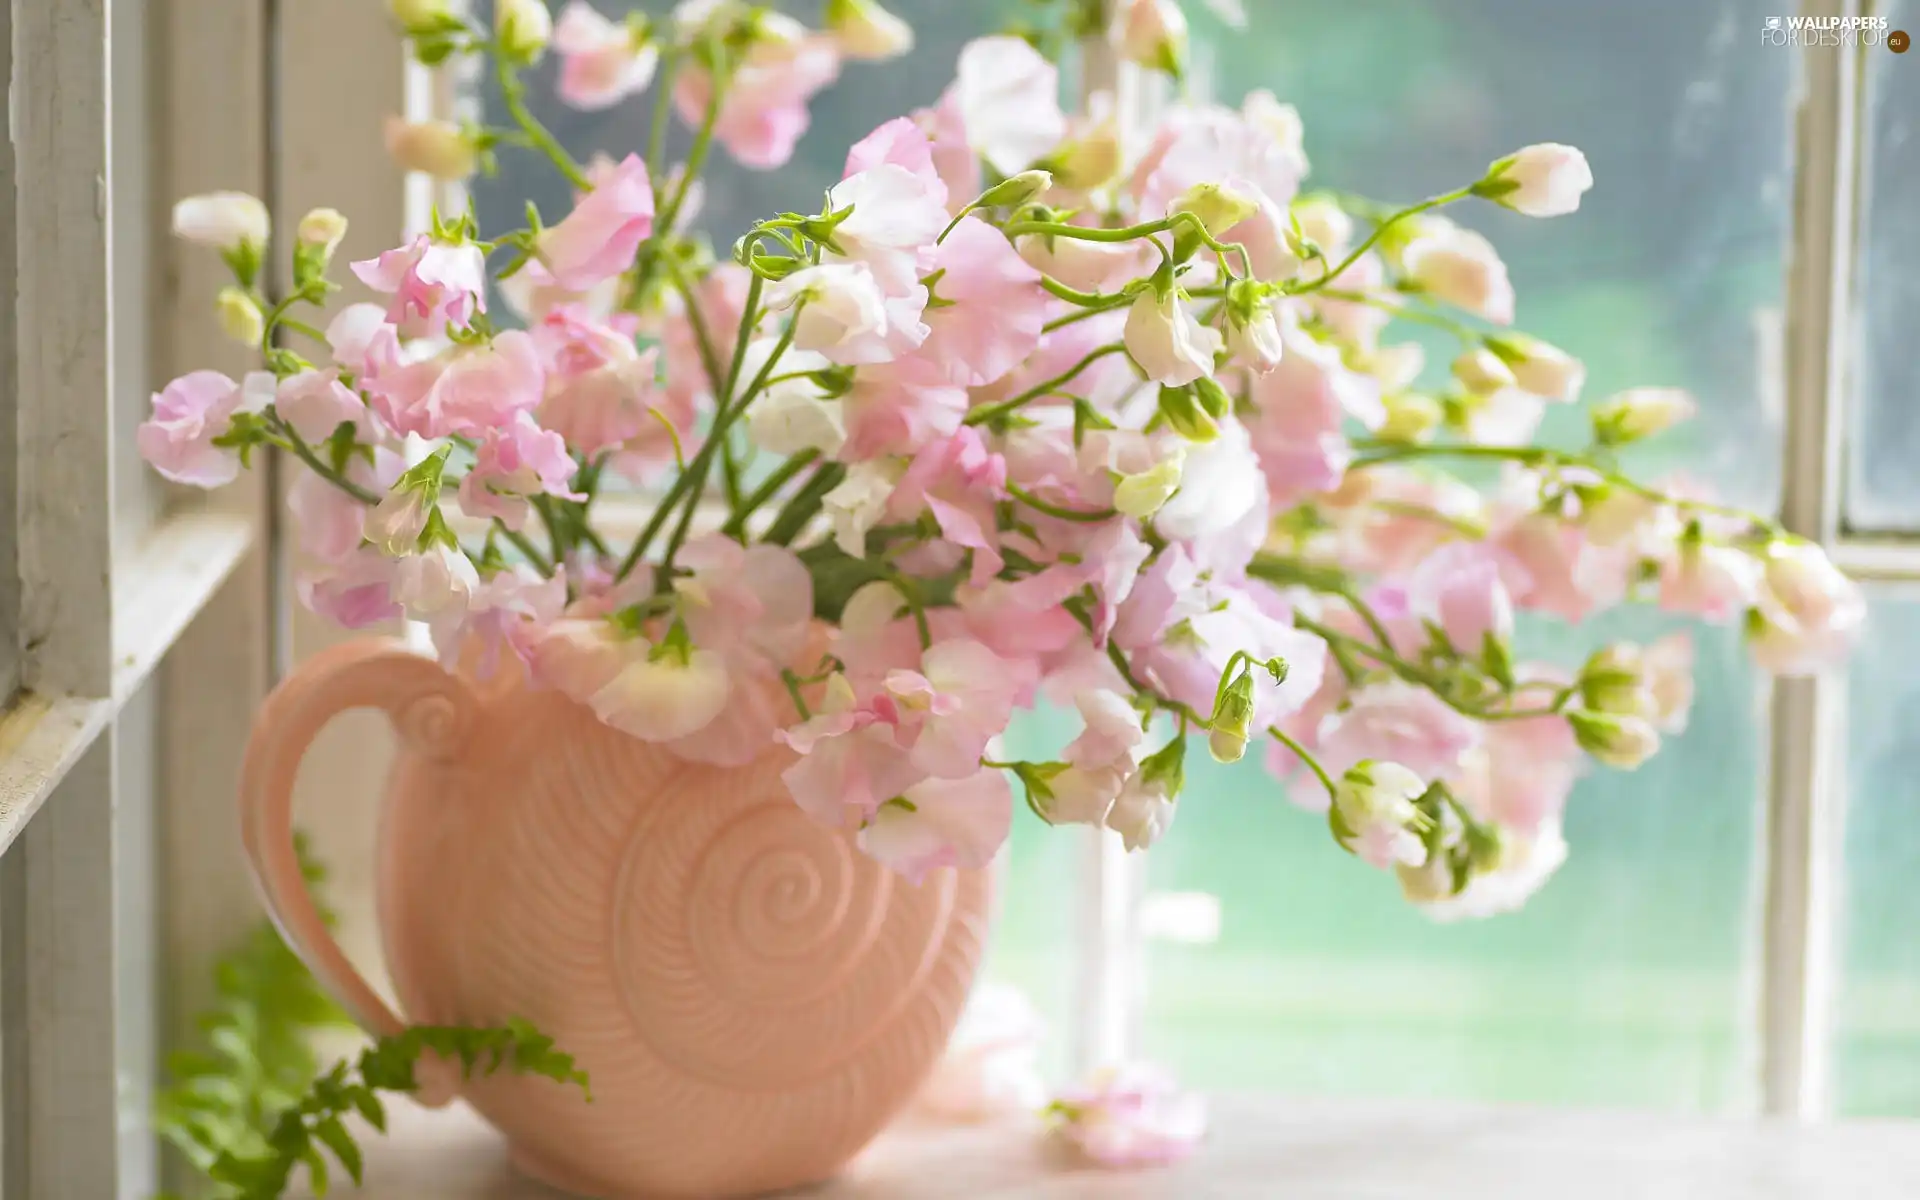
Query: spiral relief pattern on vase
point(752, 997)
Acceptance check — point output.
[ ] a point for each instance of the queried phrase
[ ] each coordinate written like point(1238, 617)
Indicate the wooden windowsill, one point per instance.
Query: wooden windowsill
point(1272, 1149)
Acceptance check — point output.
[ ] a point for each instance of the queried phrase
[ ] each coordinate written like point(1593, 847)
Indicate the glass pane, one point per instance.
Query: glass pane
point(1623, 981)
point(1884, 490)
point(1877, 1071)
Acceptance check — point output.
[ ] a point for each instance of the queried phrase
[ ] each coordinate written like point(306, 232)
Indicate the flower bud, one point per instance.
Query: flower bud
point(417, 16)
point(1153, 34)
point(1213, 397)
point(239, 316)
point(1543, 180)
point(1144, 809)
point(1620, 742)
point(323, 229)
point(1184, 413)
point(1640, 413)
point(1538, 367)
point(396, 523)
point(228, 221)
point(523, 28)
point(1411, 417)
point(1232, 721)
point(437, 148)
point(864, 30)
point(1016, 191)
point(1374, 814)
point(1166, 341)
point(1253, 339)
point(1219, 206)
point(1481, 372)
point(1613, 681)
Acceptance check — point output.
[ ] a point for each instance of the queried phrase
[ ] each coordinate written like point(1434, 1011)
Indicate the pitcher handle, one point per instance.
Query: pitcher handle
point(432, 711)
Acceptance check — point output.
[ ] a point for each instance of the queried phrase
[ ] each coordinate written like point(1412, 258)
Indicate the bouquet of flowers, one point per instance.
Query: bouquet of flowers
point(1029, 408)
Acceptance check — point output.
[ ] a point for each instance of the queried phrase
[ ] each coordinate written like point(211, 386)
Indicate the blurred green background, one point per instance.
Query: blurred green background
point(1630, 980)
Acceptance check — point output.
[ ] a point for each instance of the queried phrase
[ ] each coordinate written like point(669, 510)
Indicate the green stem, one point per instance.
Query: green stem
point(514, 95)
point(1087, 516)
point(662, 108)
point(294, 442)
point(1380, 231)
point(729, 409)
point(1313, 764)
point(1402, 312)
point(525, 546)
point(981, 416)
point(736, 525)
point(804, 505)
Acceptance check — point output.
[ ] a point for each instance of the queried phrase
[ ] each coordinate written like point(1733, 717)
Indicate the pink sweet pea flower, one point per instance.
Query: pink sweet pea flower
point(662, 694)
point(959, 823)
point(953, 158)
point(1008, 98)
point(1710, 580)
point(600, 62)
point(433, 284)
point(355, 593)
point(1559, 570)
point(959, 481)
point(960, 699)
point(599, 385)
point(577, 656)
point(189, 415)
point(899, 408)
point(328, 522)
point(514, 461)
point(1210, 145)
point(1397, 722)
point(1808, 613)
point(850, 763)
point(597, 240)
point(1131, 1117)
point(896, 217)
point(1460, 588)
point(996, 307)
point(463, 390)
point(902, 142)
point(764, 111)
point(316, 403)
point(753, 603)
point(353, 334)
point(507, 610)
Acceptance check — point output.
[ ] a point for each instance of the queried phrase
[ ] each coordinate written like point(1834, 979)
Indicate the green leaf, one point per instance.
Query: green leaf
point(338, 1140)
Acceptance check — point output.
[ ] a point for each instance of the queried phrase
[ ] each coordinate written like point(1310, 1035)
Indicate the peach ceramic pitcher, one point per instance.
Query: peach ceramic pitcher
point(752, 998)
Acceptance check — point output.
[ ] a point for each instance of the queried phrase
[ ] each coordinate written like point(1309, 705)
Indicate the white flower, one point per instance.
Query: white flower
point(437, 582)
point(1221, 483)
point(1374, 802)
point(1459, 267)
point(1143, 811)
point(239, 316)
point(1641, 413)
point(864, 30)
point(1084, 265)
point(1325, 224)
point(665, 694)
point(843, 313)
point(857, 503)
point(896, 214)
point(1621, 742)
point(1009, 99)
point(1167, 342)
point(1280, 121)
point(1543, 180)
point(796, 416)
point(223, 220)
point(1807, 614)
point(1255, 342)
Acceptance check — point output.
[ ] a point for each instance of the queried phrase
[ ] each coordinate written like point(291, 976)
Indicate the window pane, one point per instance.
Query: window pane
point(1622, 983)
point(1877, 1071)
point(1884, 491)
